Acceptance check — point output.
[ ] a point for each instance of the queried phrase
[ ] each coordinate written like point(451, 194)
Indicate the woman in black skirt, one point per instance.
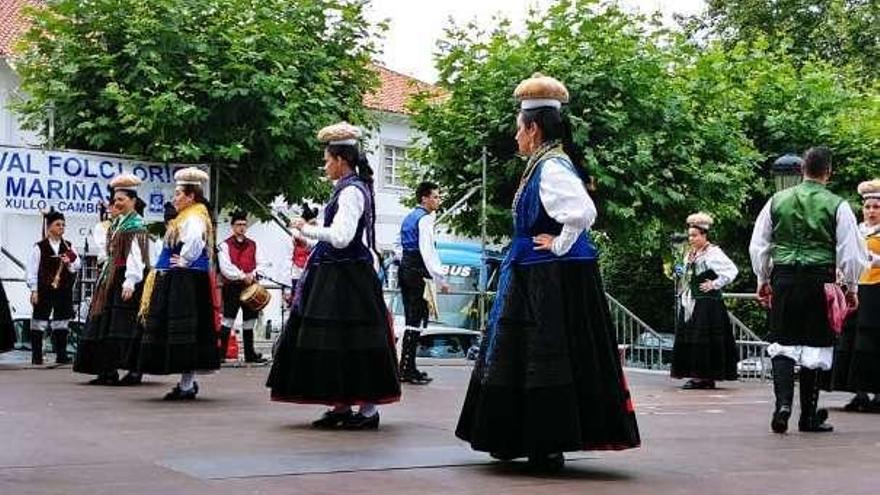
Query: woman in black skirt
point(705, 350)
point(110, 330)
point(548, 379)
point(178, 310)
point(337, 348)
point(857, 354)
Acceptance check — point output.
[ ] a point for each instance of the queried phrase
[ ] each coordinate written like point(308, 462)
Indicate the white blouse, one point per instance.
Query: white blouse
point(713, 258)
point(192, 234)
point(344, 226)
point(565, 199)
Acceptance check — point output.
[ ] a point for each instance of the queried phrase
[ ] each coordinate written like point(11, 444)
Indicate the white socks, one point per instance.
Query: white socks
point(368, 410)
point(186, 381)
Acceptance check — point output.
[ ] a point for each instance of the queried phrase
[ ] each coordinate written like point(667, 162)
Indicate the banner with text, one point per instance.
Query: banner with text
point(75, 183)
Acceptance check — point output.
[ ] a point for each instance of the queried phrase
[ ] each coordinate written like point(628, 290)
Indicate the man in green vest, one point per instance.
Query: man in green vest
point(803, 237)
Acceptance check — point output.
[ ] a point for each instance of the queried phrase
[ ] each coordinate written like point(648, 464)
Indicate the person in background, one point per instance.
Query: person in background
point(51, 273)
point(705, 350)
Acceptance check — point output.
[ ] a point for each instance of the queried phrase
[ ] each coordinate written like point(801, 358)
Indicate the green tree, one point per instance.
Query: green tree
point(669, 128)
point(838, 31)
point(238, 84)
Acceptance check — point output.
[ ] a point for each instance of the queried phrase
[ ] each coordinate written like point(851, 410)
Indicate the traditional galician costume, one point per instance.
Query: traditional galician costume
point(337, 347)
point(857, 356)
point(419, 262)
point(705, 349)
point(802, 237)
point(241, 264)
point(180, 331)
point(548, 378)
point(111, 328)
point(51, 272)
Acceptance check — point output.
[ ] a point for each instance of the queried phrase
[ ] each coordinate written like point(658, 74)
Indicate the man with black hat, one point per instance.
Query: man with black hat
point(241, 264)
point(419, 262)
point(51, 272)
point(804, 236)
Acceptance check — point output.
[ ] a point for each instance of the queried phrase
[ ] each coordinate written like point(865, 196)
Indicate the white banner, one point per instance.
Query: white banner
point(75, 183)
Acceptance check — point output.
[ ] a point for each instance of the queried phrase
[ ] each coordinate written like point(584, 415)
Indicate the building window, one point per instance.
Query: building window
point(394, 159)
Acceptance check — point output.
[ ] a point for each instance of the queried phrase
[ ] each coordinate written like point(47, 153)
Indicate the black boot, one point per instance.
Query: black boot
point(812, 419)
point(36, 347)
point(408, 371)
point(783, 388)
point(251, 356)
point(224, 342)
point(59, 345)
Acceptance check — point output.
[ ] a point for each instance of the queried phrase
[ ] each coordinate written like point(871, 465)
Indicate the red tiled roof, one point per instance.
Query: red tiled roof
point(12, 22)
point(394, 91)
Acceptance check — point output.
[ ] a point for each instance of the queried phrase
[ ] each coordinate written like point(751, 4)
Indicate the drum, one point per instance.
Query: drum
point(255, 297)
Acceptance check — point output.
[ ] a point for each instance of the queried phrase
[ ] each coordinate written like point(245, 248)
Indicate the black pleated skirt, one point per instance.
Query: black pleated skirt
point(110, 335)
point(339, 349)
point(704, 345)
point(549, 377)
point(179, 333)
point(7, 329)
point(857, 353)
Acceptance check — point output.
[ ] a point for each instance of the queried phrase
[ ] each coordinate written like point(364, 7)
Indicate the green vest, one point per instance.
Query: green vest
point(804, 225)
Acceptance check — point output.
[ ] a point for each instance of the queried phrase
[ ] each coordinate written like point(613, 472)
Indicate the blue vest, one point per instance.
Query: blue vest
point(532, 219)
point(409, 229)
point(324, 252)
point(202, 263)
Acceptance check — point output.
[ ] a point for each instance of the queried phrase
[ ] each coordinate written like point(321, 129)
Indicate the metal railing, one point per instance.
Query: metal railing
point(752, 360)
point(641, 345)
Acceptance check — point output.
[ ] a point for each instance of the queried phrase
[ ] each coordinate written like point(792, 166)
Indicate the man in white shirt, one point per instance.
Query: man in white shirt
point(419, 261)
point(803, 236)
point(240, 265)
point(51, 273)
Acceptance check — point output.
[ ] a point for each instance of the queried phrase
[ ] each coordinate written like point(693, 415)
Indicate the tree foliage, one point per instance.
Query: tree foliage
point(669, 127)
point(838, 31)
point(239, 84)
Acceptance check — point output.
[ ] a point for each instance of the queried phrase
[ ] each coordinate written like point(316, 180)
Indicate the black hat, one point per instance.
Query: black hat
point(309, 213)
point(170, 211)
point(53, 216)
point(238, 216)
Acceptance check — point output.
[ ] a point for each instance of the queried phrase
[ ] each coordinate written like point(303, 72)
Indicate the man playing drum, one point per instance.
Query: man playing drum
point(241, 264)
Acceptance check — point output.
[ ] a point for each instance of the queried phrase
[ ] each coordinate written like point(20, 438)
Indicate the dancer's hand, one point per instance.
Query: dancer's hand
point(707, 286)
point(765, 295)
point(35, 298)
point(543, 242)
point(852, 300)
point(297, 223)
point(444, 288)
point(127, 293)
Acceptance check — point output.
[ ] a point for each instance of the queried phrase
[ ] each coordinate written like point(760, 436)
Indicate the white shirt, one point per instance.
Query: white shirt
point(428, 250)
point(192, 234)
point(99, 236)
point(231, 272)
point(851, 251)
point(713, 258)
point(342, 229)
point(565, 199)
point(134, 266)
point(33, 263)
point(866, 231)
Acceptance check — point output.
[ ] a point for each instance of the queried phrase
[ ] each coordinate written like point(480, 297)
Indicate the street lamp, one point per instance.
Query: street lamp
point(787, 171)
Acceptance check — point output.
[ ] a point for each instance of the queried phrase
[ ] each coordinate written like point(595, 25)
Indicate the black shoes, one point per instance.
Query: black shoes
point(699, 385)
point(131, 379)
point(178, 394)
point(332, 419)
point(360, 422)
point(255, 358)
point(779, 423)
point(548, 463)
point(416, 378)
point(347, 420)
point(816, 424)
point(110, 378)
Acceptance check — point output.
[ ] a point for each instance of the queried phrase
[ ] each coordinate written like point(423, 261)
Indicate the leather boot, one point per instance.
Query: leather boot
point(59, 345)
point(783, 388)
point(408, 371)
point(812, 418)
point(36, 347)
point(251, 356)
point(224, 342)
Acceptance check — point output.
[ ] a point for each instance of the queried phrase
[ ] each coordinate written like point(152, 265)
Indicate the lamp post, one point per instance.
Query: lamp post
point(787, 171)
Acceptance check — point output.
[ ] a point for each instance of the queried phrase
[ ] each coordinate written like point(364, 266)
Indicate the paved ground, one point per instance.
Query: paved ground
point(62, 437)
